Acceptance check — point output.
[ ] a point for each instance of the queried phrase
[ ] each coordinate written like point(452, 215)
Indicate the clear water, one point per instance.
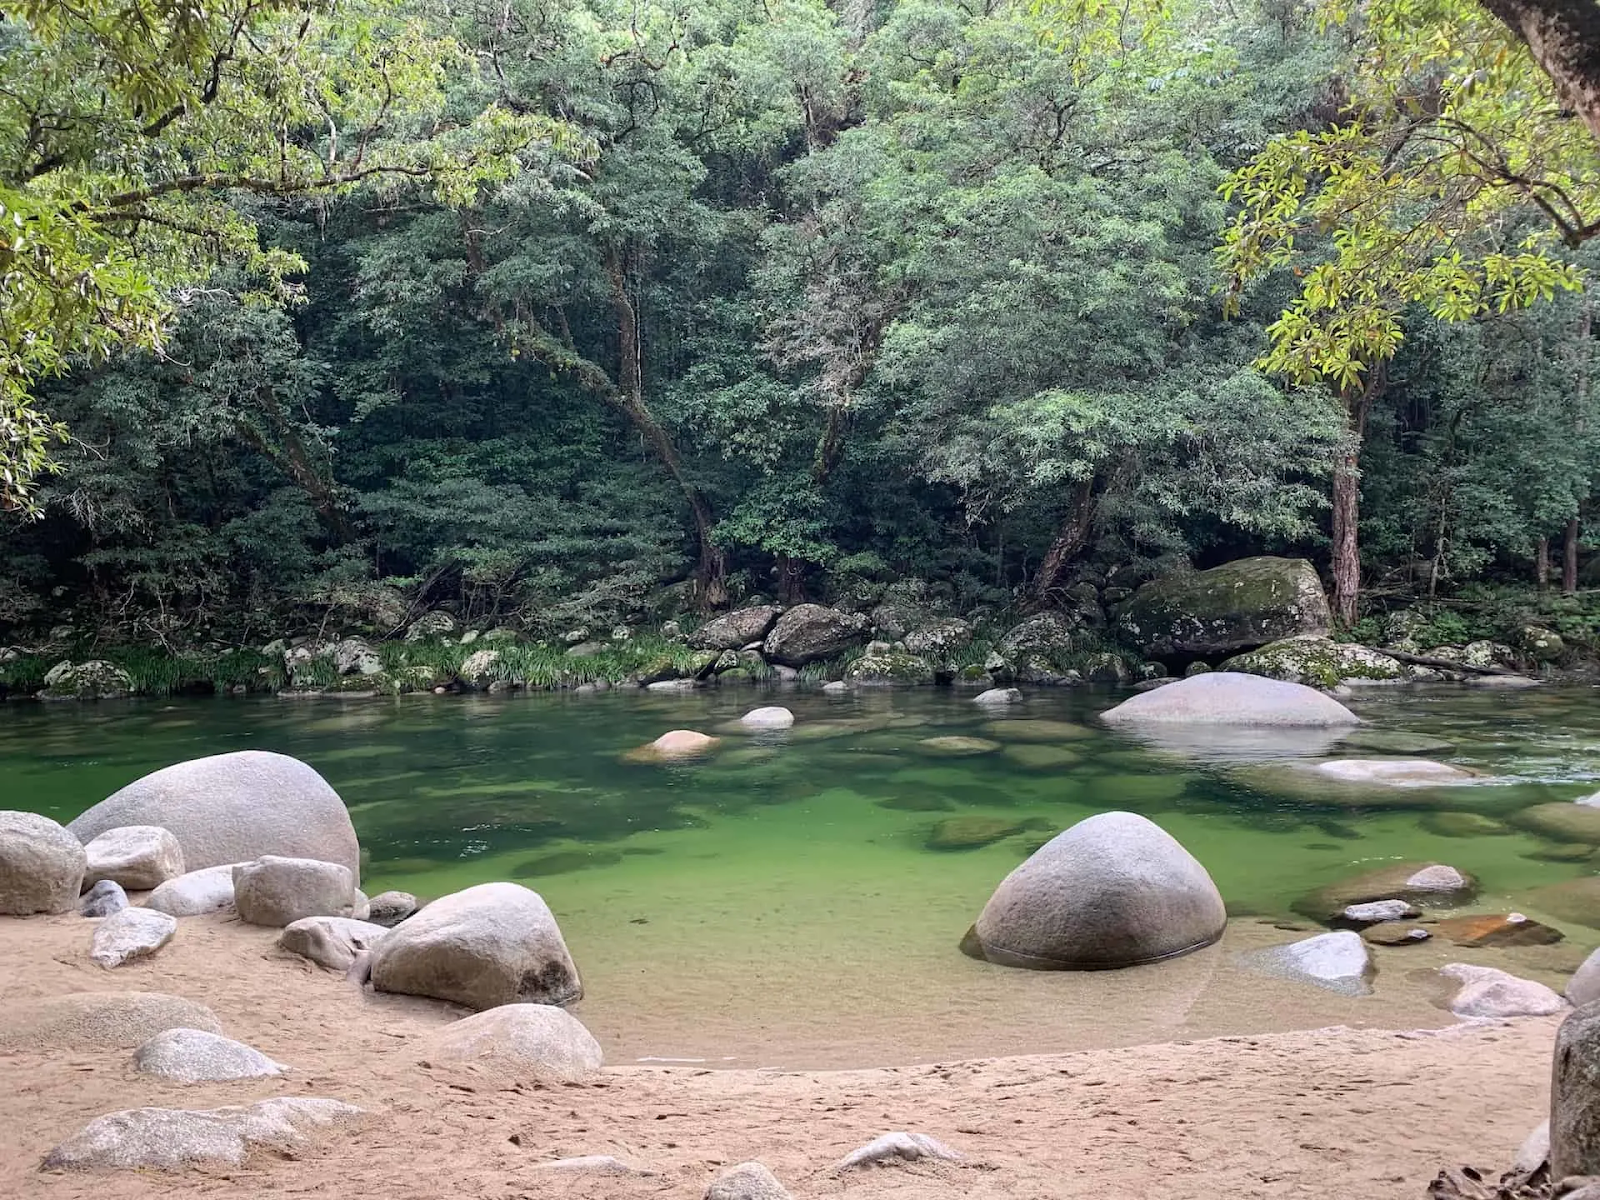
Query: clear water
point(779, 903)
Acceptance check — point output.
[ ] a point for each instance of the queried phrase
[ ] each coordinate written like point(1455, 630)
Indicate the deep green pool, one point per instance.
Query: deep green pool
point(779, 902)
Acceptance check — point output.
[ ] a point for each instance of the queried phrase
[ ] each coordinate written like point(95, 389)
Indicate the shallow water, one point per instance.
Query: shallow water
point(778, 903)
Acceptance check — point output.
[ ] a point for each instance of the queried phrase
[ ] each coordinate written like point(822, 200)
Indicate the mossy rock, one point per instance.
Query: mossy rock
point(1394, 741)
point(1462, 825)
point(892, 668)
point(974, 832)
point(956, 746)
point(1037, 730)
point(1562, 822)
point(1138, 791)
point(1318, 662)
point(1040, 756)
point(1239, 605)
point(1564, 852)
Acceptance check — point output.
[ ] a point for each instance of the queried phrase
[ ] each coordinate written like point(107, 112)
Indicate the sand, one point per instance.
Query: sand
point(1369, 1113)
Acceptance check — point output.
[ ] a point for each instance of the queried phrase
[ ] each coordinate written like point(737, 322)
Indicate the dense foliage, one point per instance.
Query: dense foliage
point(557, 311)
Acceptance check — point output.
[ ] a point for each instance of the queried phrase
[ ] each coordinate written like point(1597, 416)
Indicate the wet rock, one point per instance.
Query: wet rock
point(675, 744)
point(1374, 911)
point(1510, 929)
point(41, 866)
point(1394, 772)
point(1490, 993)
point(195, 892)
point(899, 1147)
point(771, 717)
point(1389, 741)
point(276, 891)
point(1502, 682)
point(1462, 825)
point(1564, 821)
point(1584, 986)
point(1039, 730)
point(518, 1043)
point(957, 747)
point(489, 945)
point(998, 697)
point(99, 1020)
point(973, 832)
point(139, 857)
point(809, 632)
point(1575, 1096)
point(232, 808)
point(1576, 900)
point(1395, 933)
point(735, 630)
point(1032, 756)
point(130, 934)
point(1424, 884)
point(1112, 891)
point(390, 908)
point(1237, 606)
point(1338, 962)
point(1227, 698)
point(747, 1181)
point(103, 899)
point(331, 942)
point(198, 1056)
point(167, 1139)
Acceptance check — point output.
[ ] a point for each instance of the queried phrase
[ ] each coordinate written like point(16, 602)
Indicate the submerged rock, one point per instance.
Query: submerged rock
point(675, 744)
point(1374, 911)
point(1227, 698)
point(1490, 993)
point(1462, 825)
point(139, 857)
point(957, 747)
point(1571, 900)
point(1337, 961)
point(1033, 756)
point(1511, 929)
point(1390, 741)
point(1395, 933)
point(1565, 822)
point(1114, 890)
point(1237, 606)
point(232, 808)
point(518, 1043)
point(1424, 884)
point(130, 934)
point(998, 697)
point(1037, 730)
point(199, 1056)
point(1393, 772)
point(771, 717)
point(973, 832)
point(41, 866)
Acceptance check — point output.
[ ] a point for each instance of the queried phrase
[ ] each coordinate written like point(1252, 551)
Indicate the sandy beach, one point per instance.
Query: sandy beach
point(1362, 1112)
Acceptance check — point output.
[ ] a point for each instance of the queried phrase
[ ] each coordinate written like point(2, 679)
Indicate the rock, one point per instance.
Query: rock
point(1502, 682)
point(1393, 772)
point(353, 656)
point(771, 717)
point(1395, 933)
point(1575, 1096)
point(41, 866)
point(1227, 698)
point(1112, 891)
point(431, 625)
point(469, 637)
point(897, 1147)
point(1540, 644)
point(1571, 900)
point(957, 747)
point(1512, 929)
point(518, 1043)
point(673, 745)
point(888, 668)
point(735, 630)
point(1534, 1151)
point(1563, 821)
point(1584, 986)
point(809, 632)
point(671, 685)
point(93, 680)
point(278, 891)
point(199, 1056)
point(938, 640)
point(998, 697)
point(1037, 731)
point(1490, 993)
point(1391, 741)
point(1240, 605)
point(971, 832)
point(479, 670)
point(1424, 884)
point(747, 1181)
point(103, 899)
point(232, 808)
point(1031, 756)
point(1374, 911)
point(493, 944)
point(837, 687)
point(1045, 639)
point(139, 857)
point(1462, 825)
point(130, 934)
point(390, 908)
point(195, 892)
point(594, 1164)
point(331, 942)
point(99, 1021)
point(167, 1139)
point(1337, 961)
point(1319, 662)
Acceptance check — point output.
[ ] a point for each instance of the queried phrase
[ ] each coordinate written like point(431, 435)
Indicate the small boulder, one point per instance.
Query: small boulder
point(674, 745)
point(897, 1147)
point(139, 857)
point(1319, 662)
point(957, 746)
point(331, 942)
point(747, 1181)
point(938, 639)
point(998, 697)
point(1045, 639)
point(99, 1021)
point(390, 908)
point(199, 1056)
point(431, 625)
point(1462, 825)
point(1114, 890)
point(1394, 772)
point(735, 630)
point(518, 1043)
point(130, 934)
point(278, 891)
point(1487, 992)
point(771, 717)
point(1228, 698)
point(1584, 986)
point(41, 866)
point(195, 892)
point(232, 808)
point(1575, 1096)
point(103, 899)
point(168, 1139)
point(888, 668)
point(1374, 911)
point(1563, 821)
point(810, 632)
point(1337, 961)
point(1510, 929)
point(493, 944)
point(92, 680)
point(1395, 933)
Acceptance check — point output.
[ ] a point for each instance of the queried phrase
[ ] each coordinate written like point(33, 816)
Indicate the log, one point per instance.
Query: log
point(1444, 664)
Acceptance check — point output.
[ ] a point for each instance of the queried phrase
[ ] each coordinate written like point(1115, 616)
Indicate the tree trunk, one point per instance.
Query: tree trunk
point(1569, 557)
point(1069, 542)
point(711, 575)
point(1564, 38)
point(1346, 556)
point(287, 451)
point(1541, 564)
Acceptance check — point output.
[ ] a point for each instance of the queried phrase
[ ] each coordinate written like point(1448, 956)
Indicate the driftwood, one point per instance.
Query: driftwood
point(1445, 664)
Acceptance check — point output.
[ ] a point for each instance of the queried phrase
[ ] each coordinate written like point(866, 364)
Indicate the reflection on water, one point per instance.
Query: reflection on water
point(797, 897)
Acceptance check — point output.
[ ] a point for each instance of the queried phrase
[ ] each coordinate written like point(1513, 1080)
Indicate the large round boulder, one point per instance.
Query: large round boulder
point(1239, 605)
point(139, 857)
point(735, 630)
point(1115, 890)
point(41, 866)
point(493, 944)
point(518, 1043)
point(809, 632)
point(1229, 698)
point(233, 808)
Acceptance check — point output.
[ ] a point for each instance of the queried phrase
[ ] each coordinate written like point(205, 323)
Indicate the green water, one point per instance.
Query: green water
point(780, 898)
